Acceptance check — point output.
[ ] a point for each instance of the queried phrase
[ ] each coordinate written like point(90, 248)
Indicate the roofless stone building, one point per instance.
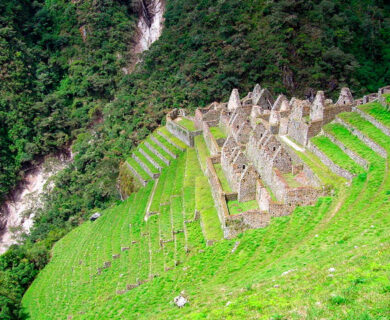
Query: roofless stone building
point(259, 153)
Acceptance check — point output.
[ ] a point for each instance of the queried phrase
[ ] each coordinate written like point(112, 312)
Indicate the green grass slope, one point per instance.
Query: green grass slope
point(327, 261)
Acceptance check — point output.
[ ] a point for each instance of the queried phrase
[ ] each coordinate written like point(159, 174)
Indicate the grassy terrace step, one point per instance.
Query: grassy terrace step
point(208, 213)
point(236, 207)
point(146, 162)
point(160, 150)
point(217, 133)
point(173, 139)
point(366, 128)
point(188, 124)
point(202, 150)
point(352, 142)
point(377, 111)
point(152, 155)
point(222, 178)
point(165, 143)
point(155, 205)
point(338, 156)
point(157, 258)
point(135, 165)
point(192, 171)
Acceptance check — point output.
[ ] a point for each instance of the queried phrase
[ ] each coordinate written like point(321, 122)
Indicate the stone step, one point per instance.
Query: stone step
point(137, 175)
point(150, 159)
point(162, 146)
point(145, 167)
point(367, 141)
point(168, 136)
point(157, 153)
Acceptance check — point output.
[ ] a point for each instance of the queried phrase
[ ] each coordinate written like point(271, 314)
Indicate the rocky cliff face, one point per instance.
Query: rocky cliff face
point(17, 213)
point(150, 24)
point(149, 28)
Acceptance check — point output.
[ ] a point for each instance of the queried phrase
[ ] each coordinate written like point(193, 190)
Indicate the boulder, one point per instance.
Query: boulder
point(180, 301)
point(95, 216)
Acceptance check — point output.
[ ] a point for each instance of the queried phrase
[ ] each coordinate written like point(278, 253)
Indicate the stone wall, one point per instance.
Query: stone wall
point(329, 163)
point(263, 197)
point(248, 220)
point(382, 100)
point(280, 209)
point(298, 131)
point(246, 189)
point(217, 191)
point(182, 133)
point(303, 196)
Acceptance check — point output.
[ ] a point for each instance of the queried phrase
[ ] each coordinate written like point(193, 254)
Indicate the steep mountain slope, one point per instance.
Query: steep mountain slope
point(63, 66)
point(330, 260)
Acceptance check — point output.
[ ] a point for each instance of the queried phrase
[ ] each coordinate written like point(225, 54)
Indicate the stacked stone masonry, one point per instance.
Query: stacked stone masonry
point(256, 157)
point(258, 164)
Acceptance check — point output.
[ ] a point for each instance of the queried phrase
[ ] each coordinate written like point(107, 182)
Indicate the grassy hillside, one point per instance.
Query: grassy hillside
point(62, 81)
point(330, 260)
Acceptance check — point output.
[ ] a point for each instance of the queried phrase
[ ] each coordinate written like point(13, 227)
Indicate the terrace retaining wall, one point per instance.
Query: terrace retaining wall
point(329, 163)
point(374, 146)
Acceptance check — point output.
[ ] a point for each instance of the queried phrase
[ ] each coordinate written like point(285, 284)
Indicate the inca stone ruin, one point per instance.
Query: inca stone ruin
point(260, 151)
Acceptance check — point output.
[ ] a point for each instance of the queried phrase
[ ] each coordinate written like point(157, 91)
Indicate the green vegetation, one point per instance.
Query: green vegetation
point(236, 207)
point(222, 178)
point(217, 133)
point(186, 123)
point(326, 176)
point(160, 150)
point(352, 142)
point(334, 153)
point(376, 110)
point(202, 150)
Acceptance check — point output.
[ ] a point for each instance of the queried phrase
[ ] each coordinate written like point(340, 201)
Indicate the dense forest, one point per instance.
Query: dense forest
point(62, 83)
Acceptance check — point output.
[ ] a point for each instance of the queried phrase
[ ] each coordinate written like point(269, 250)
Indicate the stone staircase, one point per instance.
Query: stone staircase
point(154, 154)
